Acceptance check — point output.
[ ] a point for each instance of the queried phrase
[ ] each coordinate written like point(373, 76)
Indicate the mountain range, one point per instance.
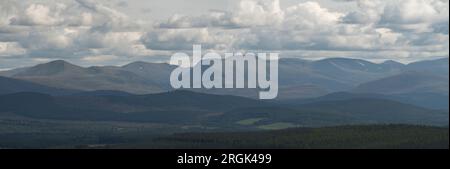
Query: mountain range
point(9, 85)
point(228, 112)
point(297, 78)
point(327, 92)
point(61, 74)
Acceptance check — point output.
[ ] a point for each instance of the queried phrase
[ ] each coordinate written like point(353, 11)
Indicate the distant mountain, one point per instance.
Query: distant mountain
point(340, 112)
point(426, 100)
point(438, 66)
point(189, 108)
point(177, 107)
point(408, 82)
point(62, 74)
point(392, 65)
point(335, 74)
point(9, 85)
point(306, 79)
point(156, 72)
point(297, 78)
point(353, 70)
point(102, 93)
point(58, 67)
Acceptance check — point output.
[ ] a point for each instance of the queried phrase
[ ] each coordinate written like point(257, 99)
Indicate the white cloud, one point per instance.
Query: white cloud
point(92, 31)
point(368, 12)
point(183, 39)
point(258, 13)
point(212, 19)
point(8, 49)
point(310, 16)
point(38, 14)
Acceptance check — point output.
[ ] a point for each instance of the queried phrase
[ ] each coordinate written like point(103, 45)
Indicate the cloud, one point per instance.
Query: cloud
point(85, 28)
point(8, 49)
point(89, 31)
point(38, 14)
point(122, 4)
point(246, 13)
point(310, 15)
point(101, 9)
point(258, 13)
point(368, 12)
point(264, 25)
point(183, 39)
point(403, 15)
point(213, 19)
point(7, 9)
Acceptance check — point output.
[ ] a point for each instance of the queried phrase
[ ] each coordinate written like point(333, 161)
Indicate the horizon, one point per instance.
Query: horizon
point(131, 62)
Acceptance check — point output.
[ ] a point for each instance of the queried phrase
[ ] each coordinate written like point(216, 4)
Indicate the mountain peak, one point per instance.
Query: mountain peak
point(391, 62)
point(50, 68)
point(58, 63)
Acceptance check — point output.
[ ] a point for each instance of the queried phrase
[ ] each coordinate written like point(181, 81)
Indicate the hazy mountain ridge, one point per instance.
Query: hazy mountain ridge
point(407, 82)
point(9, 85)
point(62, 74)
point(185, 107)
point(297, 78)
point(426, 100)
point(178, 106)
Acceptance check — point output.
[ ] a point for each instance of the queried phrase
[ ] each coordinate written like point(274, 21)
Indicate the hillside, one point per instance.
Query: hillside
point(184, 107)
point(408, 82)
point(297, 78)
point(426, 100)
point(62, 74)
point(337, 112)
point(177, 107)
point(9, 85)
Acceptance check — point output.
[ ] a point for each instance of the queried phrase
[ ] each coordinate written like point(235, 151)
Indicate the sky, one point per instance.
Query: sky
point(116, 32)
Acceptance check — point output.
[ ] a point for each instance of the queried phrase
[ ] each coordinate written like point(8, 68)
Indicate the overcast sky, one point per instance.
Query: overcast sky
point(115, 32)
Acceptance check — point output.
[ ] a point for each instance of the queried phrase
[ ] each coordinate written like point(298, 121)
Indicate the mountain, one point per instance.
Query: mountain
point(54, 68)
point(297, 78)
point(156, 72)
point(102, 93)
point(176, 107)
point(306, 79)
point(392, 65)
point(408, 82)
point(9, 85)
point(334, 74)
point(425, 100)
point(62, 74)
point(333, 113)
point(189, 108)
point(438, 66)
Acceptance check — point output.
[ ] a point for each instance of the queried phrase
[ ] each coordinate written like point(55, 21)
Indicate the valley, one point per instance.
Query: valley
point(321, 104)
